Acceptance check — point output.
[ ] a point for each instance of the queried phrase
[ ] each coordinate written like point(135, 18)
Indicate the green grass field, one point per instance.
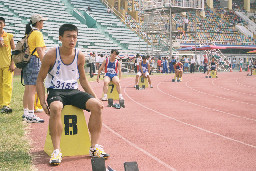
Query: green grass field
point(14, 143)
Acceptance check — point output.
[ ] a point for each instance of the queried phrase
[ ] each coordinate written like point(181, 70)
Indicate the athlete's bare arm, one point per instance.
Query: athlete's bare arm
point(100, 69)
point(47, 63)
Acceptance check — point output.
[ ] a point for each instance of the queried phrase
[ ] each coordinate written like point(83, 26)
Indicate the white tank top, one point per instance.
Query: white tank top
point(63, 76)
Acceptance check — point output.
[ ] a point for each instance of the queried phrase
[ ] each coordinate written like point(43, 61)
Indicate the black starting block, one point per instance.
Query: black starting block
point(98, 164)
point(137, 87)
point(110, 102)
point(210, 76)
point(121, 102)
point(131, 166)
point(206, 76)
point(142, 79)
point(173, 80)
point(143, 87)
point(110, 169)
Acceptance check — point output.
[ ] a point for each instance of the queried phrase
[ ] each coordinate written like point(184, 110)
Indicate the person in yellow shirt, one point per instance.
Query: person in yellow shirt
point(30, 71)
point(6, 68)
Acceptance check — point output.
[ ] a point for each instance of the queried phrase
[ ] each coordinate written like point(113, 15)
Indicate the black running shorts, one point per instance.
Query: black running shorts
point(72, 97)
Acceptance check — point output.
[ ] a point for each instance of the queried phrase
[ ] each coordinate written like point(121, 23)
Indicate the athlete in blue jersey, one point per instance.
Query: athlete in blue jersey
point(144, 68)
point(112, 68)
point(213, 67)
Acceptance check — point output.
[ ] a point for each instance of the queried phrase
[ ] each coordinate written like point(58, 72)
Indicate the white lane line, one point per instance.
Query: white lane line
point(247, 94)
point(217, 96)
point(243, 84)
point(216, 110)
point(140, 149)
point(202, 129)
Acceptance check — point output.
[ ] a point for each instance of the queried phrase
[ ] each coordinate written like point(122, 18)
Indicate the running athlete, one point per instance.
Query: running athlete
point(213, 67)
point(112, 68)
point(178, 67)
point(62, 67)
point(144, 68)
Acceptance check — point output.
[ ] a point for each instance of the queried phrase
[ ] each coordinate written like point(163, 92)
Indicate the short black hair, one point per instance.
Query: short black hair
point(144, 57)
point(67, 27)
point(115, 50)
point(2, 19)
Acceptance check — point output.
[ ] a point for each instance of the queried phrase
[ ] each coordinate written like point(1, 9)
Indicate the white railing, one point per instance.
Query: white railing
point(152, 4)
point(251, 25)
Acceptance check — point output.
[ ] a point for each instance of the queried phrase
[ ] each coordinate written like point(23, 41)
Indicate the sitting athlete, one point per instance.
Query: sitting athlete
point(213, 67)
point(112, 67)
point(63, 67)
point(144, 68)
point(178, 68)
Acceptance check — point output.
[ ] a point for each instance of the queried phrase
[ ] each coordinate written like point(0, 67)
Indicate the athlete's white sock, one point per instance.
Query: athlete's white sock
point(120, 96)
point(31, 113)
point(26, 112)
point(105, 95)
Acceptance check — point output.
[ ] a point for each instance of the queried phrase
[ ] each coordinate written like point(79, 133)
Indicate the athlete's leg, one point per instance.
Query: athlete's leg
point(115, 80)
point(105, 86)
point(55, 124)
point(95, 121)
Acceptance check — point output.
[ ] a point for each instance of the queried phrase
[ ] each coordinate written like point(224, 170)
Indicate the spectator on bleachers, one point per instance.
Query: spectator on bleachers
point(6, 68)
point(89, 8)
point(30, 72)
point(186, 23)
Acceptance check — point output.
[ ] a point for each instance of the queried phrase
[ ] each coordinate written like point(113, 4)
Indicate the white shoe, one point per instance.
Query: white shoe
point(34, 119)
point(121, 97)
point(39, 110)
point(98, 151)
point(56, 157)
point(104, 98)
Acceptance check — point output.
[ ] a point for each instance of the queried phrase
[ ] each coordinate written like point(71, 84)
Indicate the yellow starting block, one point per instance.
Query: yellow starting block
point(75, 139)
point(112, 92)
point(213, 74)
point(254, 72)
point(143, 82)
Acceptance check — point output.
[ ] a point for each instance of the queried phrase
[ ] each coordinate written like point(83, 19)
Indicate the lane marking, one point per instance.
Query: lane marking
point(248, 94)
point(185, 123)
point(140, 149)
point(217, 96)
point(216, 110)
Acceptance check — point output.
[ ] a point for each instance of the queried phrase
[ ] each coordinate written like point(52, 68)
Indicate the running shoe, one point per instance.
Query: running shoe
point(39, 110)
point(98, 151)
point(121, 97)
point(6, 109)
point(56, 157)
point(104, 98)
point(34, 119)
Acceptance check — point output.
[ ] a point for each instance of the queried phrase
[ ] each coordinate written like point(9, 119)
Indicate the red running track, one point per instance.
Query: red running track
point(197, 124)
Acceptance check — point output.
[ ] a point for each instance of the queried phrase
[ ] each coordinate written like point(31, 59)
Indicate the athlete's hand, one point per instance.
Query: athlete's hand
point(102, 105)
point(46, 109)
point(98, 80)
point(12, 67)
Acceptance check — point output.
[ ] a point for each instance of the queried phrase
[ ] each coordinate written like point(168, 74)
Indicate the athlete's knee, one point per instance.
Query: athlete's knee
point(94, 105)
point(55, 109)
